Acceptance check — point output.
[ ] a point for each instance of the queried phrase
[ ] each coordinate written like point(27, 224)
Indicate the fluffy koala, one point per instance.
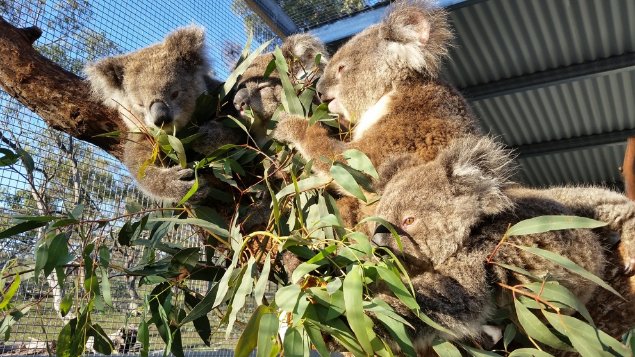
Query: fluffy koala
point(451, 213)
point(157, 87)
point(384, 81)
point(263, 95)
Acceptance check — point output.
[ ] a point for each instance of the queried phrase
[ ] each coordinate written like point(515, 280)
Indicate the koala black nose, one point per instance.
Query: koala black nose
point(160, 113)
point(379, 235)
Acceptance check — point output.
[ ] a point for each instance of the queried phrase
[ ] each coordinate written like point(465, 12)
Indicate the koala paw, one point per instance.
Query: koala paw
point(627, 251)
point(182, 181)
point(290, 129)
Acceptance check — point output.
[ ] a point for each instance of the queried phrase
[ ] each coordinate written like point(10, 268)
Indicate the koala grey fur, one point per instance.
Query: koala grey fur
point(451, 213)
point(157, 87)
point(385, 82)
point(264, 95)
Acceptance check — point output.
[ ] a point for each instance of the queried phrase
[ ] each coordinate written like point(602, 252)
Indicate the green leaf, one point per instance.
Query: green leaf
point(58, 254)
point(195, 222)
point(315, 335)
point(338, 330)
point(445, 348)
point(536, 329)
point(63, 346)
point(319, 113)
point(396, 326)
point(359, 161)
point(478, 352)
point(261, 284)
point(554, 292)
point(529, 352)
point(101, 341)
point(143, 336)
point(26, 159)
point(290, 99)
point(287, 297)
point(551, 223)
point(354, 310)
point(8, 294)
point(267, 331)
point(187, 257)
point(178, 148)
point(21, 228)
point(508, 335)
point(344, 178)
point(569, 265)
point(77, 212)
point(66, 304)
point(105, 287)
point(294, 344)
point(306, 184)
point(191, 191)
point(244, 289)
point(249, 338)
point(587, 340)
point(9, 157)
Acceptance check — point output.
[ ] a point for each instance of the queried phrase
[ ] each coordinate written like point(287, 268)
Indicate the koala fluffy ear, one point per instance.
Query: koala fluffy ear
point(419, 34)
point(305, 47)
point(106, 78)
point(392, 166)
point(189, 45)
point(482, 167)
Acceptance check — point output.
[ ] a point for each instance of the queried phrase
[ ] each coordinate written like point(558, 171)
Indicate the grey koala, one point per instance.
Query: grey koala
point(157, 87)
point(451, 213)
point(264, 95)
point(384, 81)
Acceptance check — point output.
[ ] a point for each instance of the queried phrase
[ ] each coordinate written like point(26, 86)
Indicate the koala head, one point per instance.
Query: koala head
point(408, 44)
point(263, 95)
point(434, 205)
point(156, 86)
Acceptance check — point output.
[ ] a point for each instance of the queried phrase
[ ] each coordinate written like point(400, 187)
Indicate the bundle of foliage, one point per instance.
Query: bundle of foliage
point(326, 302)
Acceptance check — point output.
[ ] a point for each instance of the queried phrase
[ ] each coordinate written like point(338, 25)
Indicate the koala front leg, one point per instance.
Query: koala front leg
point(312, 142)
point(161, 183)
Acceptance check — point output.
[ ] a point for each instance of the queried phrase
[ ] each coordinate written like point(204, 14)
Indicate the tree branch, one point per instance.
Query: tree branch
point(60, 97)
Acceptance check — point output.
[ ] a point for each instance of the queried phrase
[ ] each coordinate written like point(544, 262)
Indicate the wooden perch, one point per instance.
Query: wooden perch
point(60, 97)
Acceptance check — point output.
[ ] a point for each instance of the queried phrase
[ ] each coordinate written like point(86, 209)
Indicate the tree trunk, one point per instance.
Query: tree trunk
point(60, 97)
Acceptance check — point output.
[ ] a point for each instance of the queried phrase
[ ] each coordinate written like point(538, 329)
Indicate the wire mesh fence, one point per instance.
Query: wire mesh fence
point(61, 172)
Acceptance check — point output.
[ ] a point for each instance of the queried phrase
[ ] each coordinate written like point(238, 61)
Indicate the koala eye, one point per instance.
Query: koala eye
point(340, 69)
point(263, 85)
point(408, 221)
point(174, 94)
point(140, 105)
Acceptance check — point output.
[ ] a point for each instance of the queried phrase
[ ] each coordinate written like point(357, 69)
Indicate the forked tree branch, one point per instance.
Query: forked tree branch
point(60, 97)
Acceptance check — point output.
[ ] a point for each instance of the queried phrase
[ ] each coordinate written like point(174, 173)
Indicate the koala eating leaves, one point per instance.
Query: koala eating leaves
point(157, 87)
point(263, 95)
point(451, 213)
point(384, 81)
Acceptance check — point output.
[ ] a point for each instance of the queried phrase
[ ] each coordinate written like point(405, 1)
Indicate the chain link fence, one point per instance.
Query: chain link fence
point(60, 172)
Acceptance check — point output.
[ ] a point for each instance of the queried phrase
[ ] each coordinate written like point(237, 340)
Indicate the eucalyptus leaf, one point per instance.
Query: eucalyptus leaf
point(551, 223)
point(352, 289)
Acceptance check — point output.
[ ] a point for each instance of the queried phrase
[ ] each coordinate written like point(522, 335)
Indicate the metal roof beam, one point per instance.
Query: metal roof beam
point(571, 144)
point(567, 74)
point(274, 16)
point(349, 26)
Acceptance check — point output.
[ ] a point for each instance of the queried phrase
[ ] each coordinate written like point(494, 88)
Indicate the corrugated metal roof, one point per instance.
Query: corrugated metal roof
point(593, 165)
point(507, 38)
point(591, 106)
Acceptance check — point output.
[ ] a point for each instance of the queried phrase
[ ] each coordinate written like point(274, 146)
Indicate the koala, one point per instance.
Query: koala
point(384, 81)
point(263, 95)
point(157, 87)
point(451, 213)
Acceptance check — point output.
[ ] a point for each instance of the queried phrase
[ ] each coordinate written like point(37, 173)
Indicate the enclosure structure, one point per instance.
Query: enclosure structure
point(557, 84)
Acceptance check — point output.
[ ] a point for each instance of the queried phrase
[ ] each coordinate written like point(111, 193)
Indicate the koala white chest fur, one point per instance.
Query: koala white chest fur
point(372, 116)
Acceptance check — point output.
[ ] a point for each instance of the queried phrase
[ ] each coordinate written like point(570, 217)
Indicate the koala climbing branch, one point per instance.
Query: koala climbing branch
point(60, 97)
